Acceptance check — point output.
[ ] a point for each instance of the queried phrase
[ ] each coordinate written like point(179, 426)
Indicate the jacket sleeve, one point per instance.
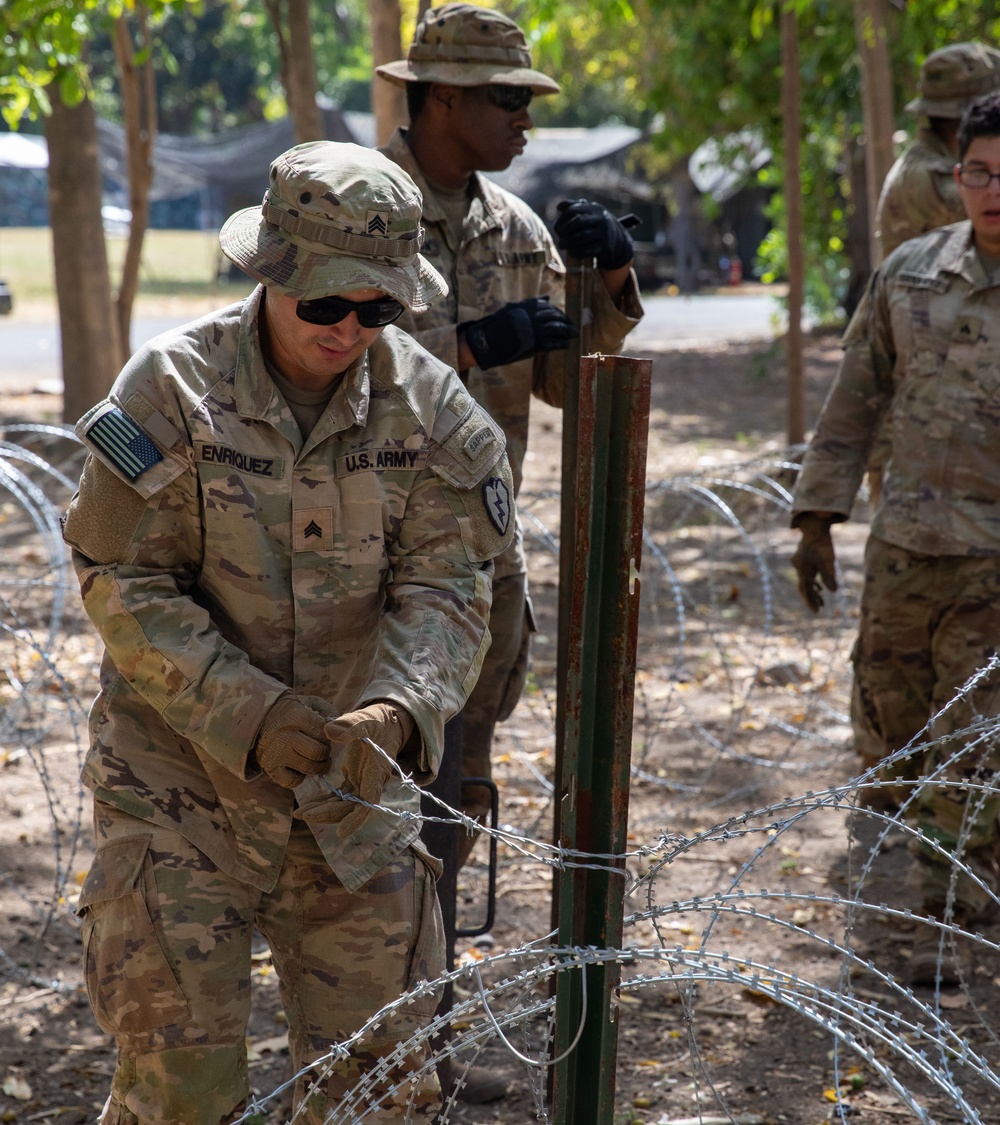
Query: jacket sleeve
point(433, 632)
point(609, 324)
point(835, 461)
point(138, 558)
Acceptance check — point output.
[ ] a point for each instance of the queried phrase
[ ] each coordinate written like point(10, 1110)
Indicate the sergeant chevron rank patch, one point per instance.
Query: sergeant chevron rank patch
point(496, 497)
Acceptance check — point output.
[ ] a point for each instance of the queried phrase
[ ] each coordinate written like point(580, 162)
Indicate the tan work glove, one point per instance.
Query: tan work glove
point(814, 557)
point(365, 770)
point(291, 742)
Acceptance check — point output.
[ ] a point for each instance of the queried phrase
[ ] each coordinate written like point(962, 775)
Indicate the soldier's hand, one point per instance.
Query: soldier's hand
point(814, 559)
point(365, 769)
point(588, 230)
point(518, 330)
point(292, 742)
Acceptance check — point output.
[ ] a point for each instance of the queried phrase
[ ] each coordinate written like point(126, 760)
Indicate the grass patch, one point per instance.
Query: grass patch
point(181, 263)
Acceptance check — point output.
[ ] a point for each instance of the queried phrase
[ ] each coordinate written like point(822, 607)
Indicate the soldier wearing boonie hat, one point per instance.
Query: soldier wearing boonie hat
point(469, 81)
point(919, 193)
point(284, 534)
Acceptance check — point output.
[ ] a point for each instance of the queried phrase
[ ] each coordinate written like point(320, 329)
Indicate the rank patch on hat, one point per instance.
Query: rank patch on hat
point(125, 444)
point(378, 222)
point(496, 497)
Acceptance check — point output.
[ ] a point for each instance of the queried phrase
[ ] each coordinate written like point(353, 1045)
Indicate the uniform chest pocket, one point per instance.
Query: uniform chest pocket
point(344, 522)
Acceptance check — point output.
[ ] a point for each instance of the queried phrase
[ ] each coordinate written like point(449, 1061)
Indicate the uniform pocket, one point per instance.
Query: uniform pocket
point(130, 983)
point(427, 954)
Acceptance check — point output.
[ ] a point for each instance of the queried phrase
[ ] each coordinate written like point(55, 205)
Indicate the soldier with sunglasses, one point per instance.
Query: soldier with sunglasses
point(284, 534)
point(469, 83)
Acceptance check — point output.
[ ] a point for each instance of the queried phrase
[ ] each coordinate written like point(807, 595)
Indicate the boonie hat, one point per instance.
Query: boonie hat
point(954, 76)
point(462, 45)
point(336, 217)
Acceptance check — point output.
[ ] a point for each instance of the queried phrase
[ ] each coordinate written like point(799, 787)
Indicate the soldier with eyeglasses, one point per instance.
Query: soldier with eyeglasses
point(469, 84)
point(923, 349)
point(284, 535)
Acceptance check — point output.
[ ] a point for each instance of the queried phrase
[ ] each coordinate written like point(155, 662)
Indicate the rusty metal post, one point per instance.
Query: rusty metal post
point(579, 288)
point(599, 680)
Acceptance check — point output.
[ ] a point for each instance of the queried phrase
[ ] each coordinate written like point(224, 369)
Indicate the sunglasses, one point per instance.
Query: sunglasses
point(509, 98)
point(332, 310)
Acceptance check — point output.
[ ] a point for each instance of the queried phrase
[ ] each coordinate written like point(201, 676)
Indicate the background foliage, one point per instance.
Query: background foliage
point(683, 72)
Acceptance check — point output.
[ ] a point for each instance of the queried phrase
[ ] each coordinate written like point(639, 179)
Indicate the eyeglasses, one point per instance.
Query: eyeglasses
point(509, 98)
point(332, 310)
point(977, 177)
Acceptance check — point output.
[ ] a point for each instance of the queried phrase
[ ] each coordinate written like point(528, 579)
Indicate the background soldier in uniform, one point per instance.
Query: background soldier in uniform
point(920, 194)
point(925, 345)
point(469, 82)
point(284, 535)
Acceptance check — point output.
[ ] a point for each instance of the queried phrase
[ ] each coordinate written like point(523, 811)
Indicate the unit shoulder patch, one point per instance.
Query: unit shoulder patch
point(497, 498)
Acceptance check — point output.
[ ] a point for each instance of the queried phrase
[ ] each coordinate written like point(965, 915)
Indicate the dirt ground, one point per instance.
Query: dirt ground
point(743, 929)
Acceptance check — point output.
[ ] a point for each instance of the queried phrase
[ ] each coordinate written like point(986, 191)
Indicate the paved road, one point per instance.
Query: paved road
point(29, 353)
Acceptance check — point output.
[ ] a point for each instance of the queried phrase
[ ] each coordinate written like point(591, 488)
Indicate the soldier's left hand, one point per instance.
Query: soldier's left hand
point(365, 769)
point(588, 230)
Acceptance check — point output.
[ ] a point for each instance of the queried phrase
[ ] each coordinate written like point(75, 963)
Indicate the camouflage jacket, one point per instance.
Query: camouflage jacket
point(506, 254)
point(924, 341)
point(224, 561)
point(919, 194)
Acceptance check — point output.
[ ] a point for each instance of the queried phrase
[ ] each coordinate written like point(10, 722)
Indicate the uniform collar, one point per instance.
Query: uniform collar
point(257, 397)
point(958, 255)
point(486, 196)
point(934, 150)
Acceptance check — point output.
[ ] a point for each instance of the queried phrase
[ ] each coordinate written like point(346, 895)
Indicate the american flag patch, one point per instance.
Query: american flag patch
point(124, 443)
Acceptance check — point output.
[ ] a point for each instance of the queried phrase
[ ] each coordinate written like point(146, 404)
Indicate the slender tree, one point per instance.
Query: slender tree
point(388, 100)
point(138, 92)
point(293, 28)
point(87, 328)
point(876, 90)
point(792, 128)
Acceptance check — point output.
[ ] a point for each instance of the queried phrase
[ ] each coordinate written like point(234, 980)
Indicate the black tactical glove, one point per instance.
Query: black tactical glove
point(291, 742)
point(517, 330)
point(588, 230)
point(814, 558)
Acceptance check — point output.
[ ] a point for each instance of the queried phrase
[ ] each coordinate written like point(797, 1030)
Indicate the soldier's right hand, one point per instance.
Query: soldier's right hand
point(518, 330)
point(814, 560)
point(291, 742)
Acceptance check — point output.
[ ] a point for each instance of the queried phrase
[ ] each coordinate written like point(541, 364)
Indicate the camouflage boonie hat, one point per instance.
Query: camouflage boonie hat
point(954, 76)
point(462, 45)
point(336, 217)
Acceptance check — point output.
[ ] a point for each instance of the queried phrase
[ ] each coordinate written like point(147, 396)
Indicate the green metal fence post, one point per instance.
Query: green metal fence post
point(597, 690)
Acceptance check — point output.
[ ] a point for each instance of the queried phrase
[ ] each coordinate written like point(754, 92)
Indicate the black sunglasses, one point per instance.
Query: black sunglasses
point(332, 310)
point(509, 98)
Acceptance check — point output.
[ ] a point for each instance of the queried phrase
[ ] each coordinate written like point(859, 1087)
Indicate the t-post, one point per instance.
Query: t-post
point(604, 495)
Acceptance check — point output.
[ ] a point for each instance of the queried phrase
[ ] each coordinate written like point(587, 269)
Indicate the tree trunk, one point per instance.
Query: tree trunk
point(876, 100)
point(857, 242)
point(680, 229)
point(297, 63)
point(423, 6)
point(792, 131)
point(138, 90)
point(388, 99)
point(83, 288)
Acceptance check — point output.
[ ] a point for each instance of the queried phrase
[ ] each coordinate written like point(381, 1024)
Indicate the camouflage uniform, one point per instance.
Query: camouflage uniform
point(924, 342)
point(919, 194)
point(506, 254)
point(225, 560)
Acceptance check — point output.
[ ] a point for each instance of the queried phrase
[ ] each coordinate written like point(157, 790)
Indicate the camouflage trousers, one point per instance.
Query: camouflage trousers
point(495, 695)
point(167, 954)
point(928, 624)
